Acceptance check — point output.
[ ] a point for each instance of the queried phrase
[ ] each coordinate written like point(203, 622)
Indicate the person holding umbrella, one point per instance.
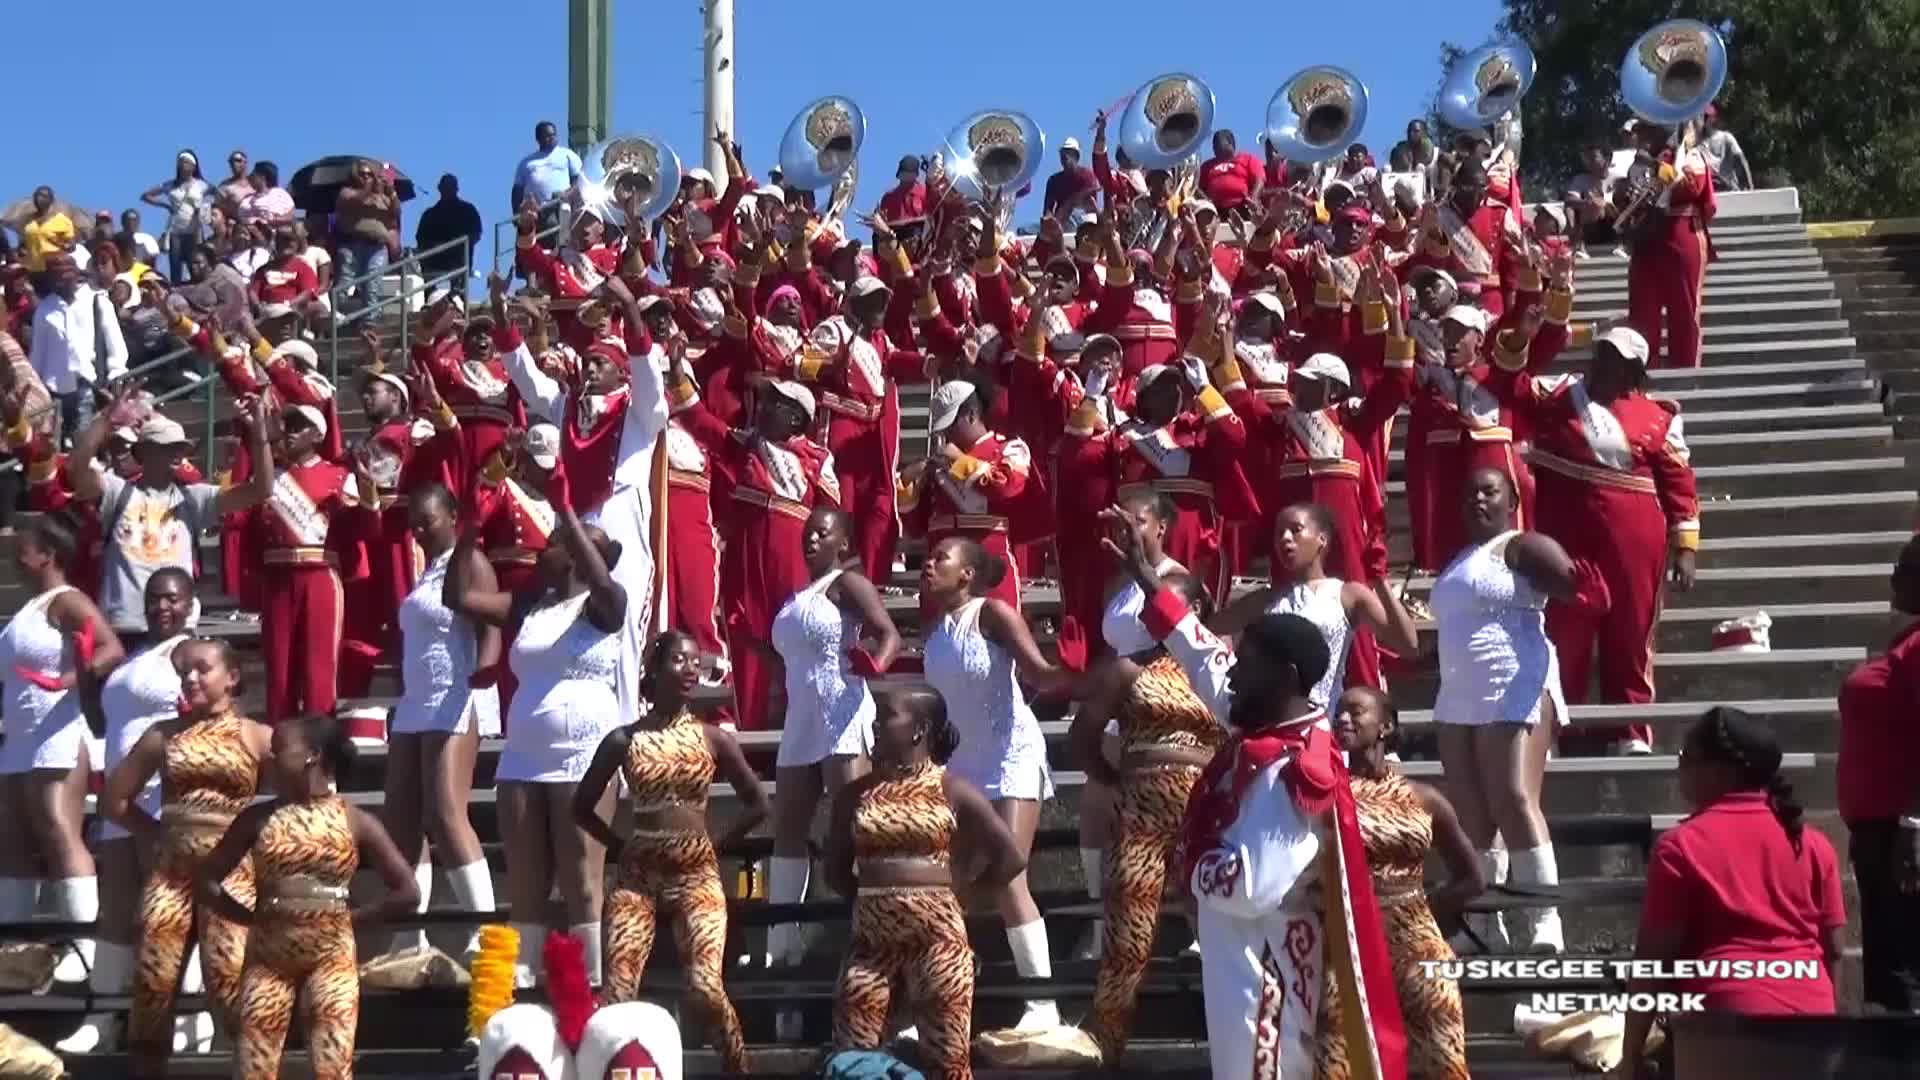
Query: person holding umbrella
point(367, 222)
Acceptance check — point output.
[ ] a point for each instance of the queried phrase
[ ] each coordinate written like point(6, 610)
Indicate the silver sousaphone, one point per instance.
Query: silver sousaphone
point(1317, 114)
point(1167, 122)
point(822, 149)
point(630, 164)
point(993, 154)
point(1674, 71)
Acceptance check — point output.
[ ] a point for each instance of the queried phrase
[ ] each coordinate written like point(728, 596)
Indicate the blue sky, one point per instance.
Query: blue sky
point(441, 86)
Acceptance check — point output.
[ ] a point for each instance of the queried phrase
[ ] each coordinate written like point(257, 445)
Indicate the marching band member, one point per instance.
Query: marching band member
point(768, 479)
point(1274, 854)
point(1615, 487)
point(305, 845)
point(310, 530)
point(1475, 239)
point(209, 762)
point(52, 642)
point(890, 848)
point(975, 489)
point(514, 522)
point(476, 394)
point(1668, 266)
point(855, 366)
point(668, 869)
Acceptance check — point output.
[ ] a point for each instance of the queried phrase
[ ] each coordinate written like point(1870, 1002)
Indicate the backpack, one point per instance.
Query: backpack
point(868, 1065)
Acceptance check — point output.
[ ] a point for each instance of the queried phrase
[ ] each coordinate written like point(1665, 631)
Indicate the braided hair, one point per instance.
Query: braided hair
point(1731, 737)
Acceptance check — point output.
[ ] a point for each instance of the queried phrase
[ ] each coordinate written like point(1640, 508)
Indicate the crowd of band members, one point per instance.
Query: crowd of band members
point(744, 365)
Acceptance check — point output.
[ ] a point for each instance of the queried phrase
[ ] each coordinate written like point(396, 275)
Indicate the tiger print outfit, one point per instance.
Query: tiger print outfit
point(915, 935)
point(1160, 711)
point(209, 774)
point(302, 941)
point(1398, 833)
point(676, 874)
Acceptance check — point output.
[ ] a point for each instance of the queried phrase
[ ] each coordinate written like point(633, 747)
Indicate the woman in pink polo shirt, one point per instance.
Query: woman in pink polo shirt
point(1740, 879)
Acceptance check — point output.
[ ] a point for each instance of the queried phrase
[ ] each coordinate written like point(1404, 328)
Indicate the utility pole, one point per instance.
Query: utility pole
point(589, 73)
point(719, 52)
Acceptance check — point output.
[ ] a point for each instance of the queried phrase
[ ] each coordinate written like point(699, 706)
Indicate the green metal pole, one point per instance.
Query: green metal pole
point(589, 72)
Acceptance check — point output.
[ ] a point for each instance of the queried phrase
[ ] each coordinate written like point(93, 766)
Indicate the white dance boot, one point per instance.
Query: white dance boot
point(74, 900)
point(533, 940)
point(787, 878)
point(1032, 960)
point(472, 887)
point(112, 976)
point(1540, 927)
point(414, 940)
point(590, 950)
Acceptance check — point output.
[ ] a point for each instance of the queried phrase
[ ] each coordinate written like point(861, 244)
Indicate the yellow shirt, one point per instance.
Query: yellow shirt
point(39, 239)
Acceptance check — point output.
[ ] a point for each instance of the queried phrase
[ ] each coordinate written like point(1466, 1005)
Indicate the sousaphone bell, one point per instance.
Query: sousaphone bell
point(1486, 84)
point(1167, 121)
point(627, 164)
point(1317, 114)
point(1674, 71)
point(994, 151)
point(822, 143)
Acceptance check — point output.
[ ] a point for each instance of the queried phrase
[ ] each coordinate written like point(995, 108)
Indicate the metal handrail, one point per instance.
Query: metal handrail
point(401, 295)
point(500, 229)
point(152, 365)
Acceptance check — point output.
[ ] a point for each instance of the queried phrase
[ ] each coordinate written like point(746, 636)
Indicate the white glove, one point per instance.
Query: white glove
point(1097, 383)
point(1195, 371)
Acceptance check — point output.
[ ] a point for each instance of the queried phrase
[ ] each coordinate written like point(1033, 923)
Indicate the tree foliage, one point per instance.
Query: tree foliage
point(1823, 95)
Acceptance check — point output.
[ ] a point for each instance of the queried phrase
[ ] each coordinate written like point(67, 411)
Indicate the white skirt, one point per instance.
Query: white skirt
point(809, 740)
point(1011, 768)
point(57, 742)
point(460, 710)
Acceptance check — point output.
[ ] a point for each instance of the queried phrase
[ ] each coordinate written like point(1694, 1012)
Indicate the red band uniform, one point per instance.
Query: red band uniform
point(1668, 268)
point(976, 492)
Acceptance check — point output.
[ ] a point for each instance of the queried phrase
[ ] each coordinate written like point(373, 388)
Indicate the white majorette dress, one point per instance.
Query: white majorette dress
point(829, 709)
point(43, 728)
point(438, 653)
point(1319, 603)
point(140, 693)
point(1496, 661)
point(1001, 749)
point(566, 700)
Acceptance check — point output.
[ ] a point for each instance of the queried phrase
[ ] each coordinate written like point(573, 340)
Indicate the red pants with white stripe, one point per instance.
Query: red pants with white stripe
point(1664, 281)
point(301, 608)
point(1624, 533)
point(693, 575)
point(864, 453)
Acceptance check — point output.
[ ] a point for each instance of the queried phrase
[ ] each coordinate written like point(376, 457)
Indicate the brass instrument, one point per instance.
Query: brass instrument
point(1316, 114)
point(1669, 76)
point(627, 165)
point(822, 149)
point(1167, 122)
point(993, 154)
point(1486, 84)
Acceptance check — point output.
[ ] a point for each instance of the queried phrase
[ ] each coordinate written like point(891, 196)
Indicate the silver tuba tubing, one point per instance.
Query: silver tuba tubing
point(639, 164)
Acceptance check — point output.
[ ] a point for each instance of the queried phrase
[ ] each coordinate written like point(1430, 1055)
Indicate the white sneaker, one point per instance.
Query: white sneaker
point(1040, 1016)
point(1543, 931)
point(72, 968)
point(1621, 253)
point(1581, 253)
point(1629, 748)
point(1193, 948)
point(909, 1034)
point(99, 1033)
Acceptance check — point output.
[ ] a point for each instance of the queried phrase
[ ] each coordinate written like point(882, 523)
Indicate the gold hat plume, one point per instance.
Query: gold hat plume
point(492, 986)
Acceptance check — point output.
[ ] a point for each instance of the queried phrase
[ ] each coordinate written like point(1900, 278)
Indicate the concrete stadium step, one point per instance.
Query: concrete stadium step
point(1863, 512)
point(1757, 586)
point(1740, 448)
point(1790, 550)
point(1813, 477)
point(1668, 381)
point(1787, 293)
point(1792, 418)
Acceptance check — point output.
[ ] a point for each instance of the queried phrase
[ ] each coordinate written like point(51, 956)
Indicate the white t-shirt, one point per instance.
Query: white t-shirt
point(1721, 149)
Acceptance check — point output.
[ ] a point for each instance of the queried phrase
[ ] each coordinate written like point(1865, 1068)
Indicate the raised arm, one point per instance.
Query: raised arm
point(463, 593)
point(607, 599)
point(1003, 626)
point(1204, 657)
point(259, 486)
point(542, 392)
point(1376, 605)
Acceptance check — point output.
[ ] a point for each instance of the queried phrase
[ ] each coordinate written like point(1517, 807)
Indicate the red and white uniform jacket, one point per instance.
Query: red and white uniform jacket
point(1195, 459)
point(1634, 444)
point(763, 495)
point(595, 442)
point(977, 492)
point(480, 397)
point(1481, 252)
point(1142, 319)
point(515, 526)
point(1453, 405)
point(311, 519)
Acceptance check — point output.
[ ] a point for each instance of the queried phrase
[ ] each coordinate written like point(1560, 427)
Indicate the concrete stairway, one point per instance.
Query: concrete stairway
point(1805, 501)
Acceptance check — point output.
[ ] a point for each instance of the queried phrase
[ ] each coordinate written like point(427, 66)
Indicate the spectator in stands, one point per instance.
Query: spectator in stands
point(1588, 198)
point(449, 219)
point(550, 171)
point(247, 250)
point(136, 246)
point(1724, 156)
point(1074, 187)
point(214, 288)
point(186, 199)
point(316, 256)
point(145, 325)
point(1422, 153)
point(236, 187)
point(76, 341)
point(907, 201)
point(1878, 785)
point(1231, 180)
point(48, 232)
point(220, 229)
point(1740, 879)
point(367, 217)
point(266, 202)
point(284, 278)
point(1357, 167)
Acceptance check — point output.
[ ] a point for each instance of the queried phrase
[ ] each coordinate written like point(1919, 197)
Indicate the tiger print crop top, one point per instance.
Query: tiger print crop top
point(1162, 710)
point(210, 768)
point(306, 846)
point(907, 818)
point(671, 766)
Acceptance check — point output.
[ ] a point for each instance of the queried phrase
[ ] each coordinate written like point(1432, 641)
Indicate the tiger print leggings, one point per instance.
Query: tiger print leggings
point(170, 922)
point(1153, 800)
point(291, 954)
point(678, 875)
point(919, 937)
